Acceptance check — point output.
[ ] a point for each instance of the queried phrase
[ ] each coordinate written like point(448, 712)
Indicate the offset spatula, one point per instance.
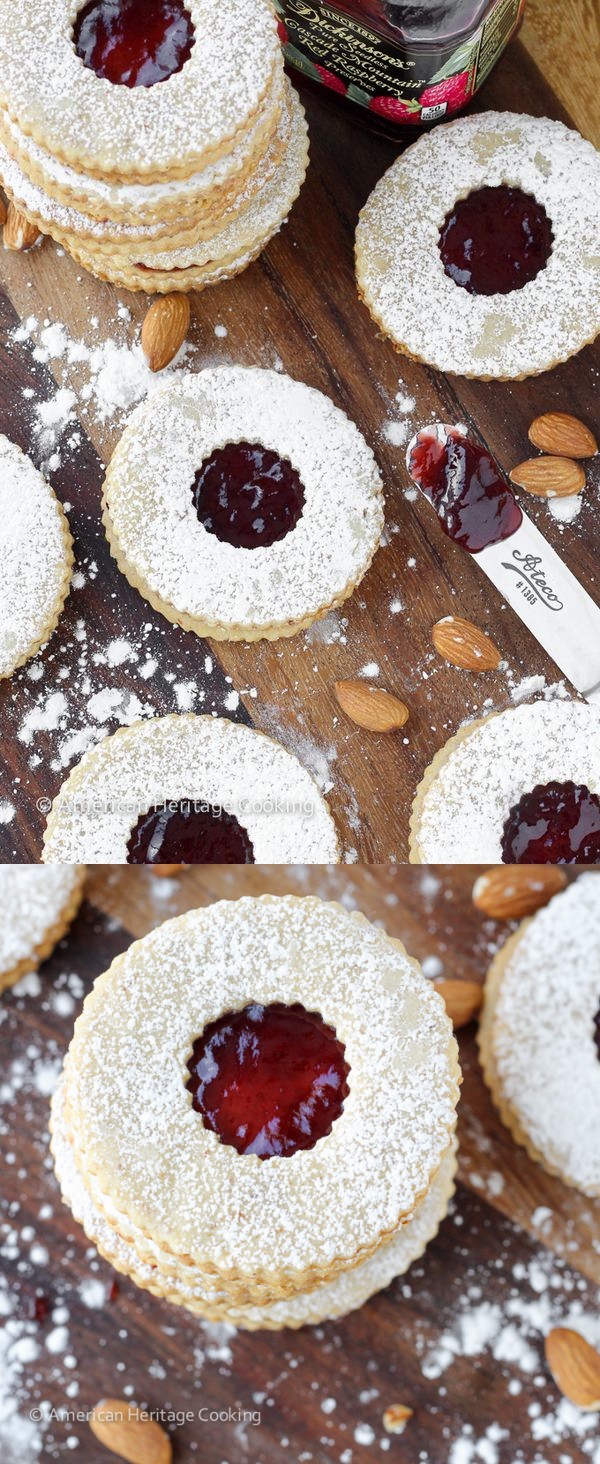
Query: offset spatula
point(477, 508)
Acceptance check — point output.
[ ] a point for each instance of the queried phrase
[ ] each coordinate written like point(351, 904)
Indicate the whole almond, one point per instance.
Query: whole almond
point(370, 706)
point(3, 212)
point(509, 892)
point(130, 1433)
point(463, 999)
point(18, 232)
point(465, 645)
point(562, 435)
point(575, 1367)
point(165, 329)
point(396, 1418)
point(549, 477)
point(165, 871)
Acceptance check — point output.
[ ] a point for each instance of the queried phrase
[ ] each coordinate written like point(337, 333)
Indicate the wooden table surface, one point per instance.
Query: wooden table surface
point(296, 307)
point(508, 1218)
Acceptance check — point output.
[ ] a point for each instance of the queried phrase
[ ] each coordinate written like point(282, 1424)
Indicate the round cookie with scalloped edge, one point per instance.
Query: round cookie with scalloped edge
point(539, 1036)
point(142, 132)
point(220, 588)
point(480, 775)
point(36, 549)
point(206, 761)
point(399, 267)
point(296, 1222)
point(38, 906)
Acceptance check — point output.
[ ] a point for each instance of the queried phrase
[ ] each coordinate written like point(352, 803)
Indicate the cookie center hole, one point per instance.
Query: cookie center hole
point(495, 241)
point(247, 495)
point(134, 42)
point(269, 1080)
point(474, 504)
point(557, 823)
point(189, 833)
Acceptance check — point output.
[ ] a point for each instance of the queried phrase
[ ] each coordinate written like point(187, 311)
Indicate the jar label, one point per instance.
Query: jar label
point(341, 52)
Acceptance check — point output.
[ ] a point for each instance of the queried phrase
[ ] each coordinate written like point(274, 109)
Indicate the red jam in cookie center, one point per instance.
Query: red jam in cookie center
point(134, 42)
point(495, 241)
point(473, 502)
point(189, 833)
point(557, 823)
point(248, 496)
point(597, 1031)
point(269, 1079)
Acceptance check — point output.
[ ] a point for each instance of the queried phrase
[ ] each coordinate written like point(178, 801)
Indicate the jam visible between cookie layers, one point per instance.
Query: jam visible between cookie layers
point(188, 833)
point(269, 1080)
point(474, 503)
point(597, 1031)
point(557, 823)
point(134, 42)
point(495, 241)
point(247, 495)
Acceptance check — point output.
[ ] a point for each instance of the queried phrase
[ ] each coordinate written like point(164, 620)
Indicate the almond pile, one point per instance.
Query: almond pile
point(509, 892)
point(130, 1433)
point(564, 440)
point(463, 999)
point(463, 644)
point(165, 329)
point(371, 707)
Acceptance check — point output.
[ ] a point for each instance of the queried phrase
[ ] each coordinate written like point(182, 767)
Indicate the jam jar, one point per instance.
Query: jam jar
point(404, 64)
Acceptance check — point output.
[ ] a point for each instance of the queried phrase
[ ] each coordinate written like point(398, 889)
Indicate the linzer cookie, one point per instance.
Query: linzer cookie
point(242, 504)
point(184, 789)
point(270, 1031)
point(540, 1035)
point(38, 906)
point(518, 787)
point(37, 557)
point(477, 250)
point(122, 136)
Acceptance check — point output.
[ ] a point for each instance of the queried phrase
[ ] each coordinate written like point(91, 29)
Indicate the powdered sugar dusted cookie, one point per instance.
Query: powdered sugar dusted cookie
point(36, 553)
point(477, 252)
point(540, 1034)
point(242, 504)
point(38, 906)
point(192, 790)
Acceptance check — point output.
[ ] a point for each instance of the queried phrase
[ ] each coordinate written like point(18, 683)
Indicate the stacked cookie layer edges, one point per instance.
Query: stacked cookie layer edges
point(160, 188)
point(259, 1243)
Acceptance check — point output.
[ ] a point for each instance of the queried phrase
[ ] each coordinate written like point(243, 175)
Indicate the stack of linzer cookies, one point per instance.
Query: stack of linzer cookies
point(158, 142)
point(256, 1115)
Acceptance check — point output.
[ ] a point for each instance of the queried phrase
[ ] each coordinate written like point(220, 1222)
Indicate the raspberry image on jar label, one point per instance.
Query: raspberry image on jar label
point(395, 109)
point(454, 90)
point(331, 80)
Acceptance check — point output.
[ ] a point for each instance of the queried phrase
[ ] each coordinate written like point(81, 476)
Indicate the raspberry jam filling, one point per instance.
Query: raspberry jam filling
point(597, 1031)
point(269, 1080)
point(474, 503)
point(188, 833)
point(495, 241)
point(557, 823)
point(134, 42)
point(247, 495)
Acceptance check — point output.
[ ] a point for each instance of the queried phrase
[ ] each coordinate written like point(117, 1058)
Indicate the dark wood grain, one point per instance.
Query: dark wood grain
point(364, 1362)
point(298, 304)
